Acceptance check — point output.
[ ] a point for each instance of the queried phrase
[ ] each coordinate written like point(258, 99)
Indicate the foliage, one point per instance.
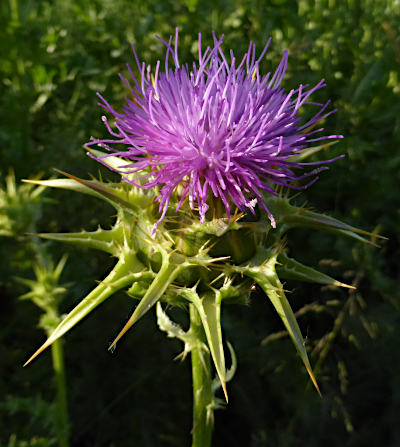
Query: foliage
point(55, 56)
point(20, 207)
point(37, 413)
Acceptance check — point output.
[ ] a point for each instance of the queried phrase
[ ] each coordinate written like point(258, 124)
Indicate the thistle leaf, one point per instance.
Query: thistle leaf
point(288, 268)
point(121, 276)
point(163, 279)
point(116, 197)
point(212, 327)
point(110, 160)
point(64, 183)
point(274, 290)
point(230, 372)
point(266, 277)
point(209, 309)
point(104, 240)
point(353, 235)
point(310, 219)
point(103, 191)
point(290, 216)
point(115, 163)
point(173, 330)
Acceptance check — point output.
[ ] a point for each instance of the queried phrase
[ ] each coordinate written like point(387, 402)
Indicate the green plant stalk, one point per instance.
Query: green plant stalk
point(202, 386)
point(61, 417)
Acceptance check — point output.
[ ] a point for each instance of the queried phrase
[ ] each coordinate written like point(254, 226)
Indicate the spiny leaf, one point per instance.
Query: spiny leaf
point(353, 235)
point(104, 240)
point(105, 191)
point(140, 197)
point(307, 218)
point(163, 279)
point(209, 309)
point(266, 277)
point(121, 276)
point(230, 372)
point(117, 164)
point(212, 326)
point(290, 269)
point(290, 216)
point(65, 183)
point(173, 330)
point(274, 290)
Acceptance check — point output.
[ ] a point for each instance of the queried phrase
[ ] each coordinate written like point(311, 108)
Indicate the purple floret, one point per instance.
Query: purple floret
point(216, 128)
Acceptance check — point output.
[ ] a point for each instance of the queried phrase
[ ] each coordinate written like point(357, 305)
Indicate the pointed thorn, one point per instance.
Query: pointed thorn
point(39, 351)
point(216, 279)
point(313, 380)
point(113, 345)
point(194, 288)
point(342, 284)
point(66, 174)
point(124, 330)
point(34, 182)
point(223, 384)
point(181, 357)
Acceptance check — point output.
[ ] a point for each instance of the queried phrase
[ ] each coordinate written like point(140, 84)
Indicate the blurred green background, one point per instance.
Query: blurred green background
point(55, 56)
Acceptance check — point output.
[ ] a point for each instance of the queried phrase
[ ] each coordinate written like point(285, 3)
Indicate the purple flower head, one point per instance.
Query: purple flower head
point(218, 127)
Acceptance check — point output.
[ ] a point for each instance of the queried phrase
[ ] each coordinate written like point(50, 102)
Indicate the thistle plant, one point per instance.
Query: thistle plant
point(20, 207)
point(46, 293)
point(20, 210)
point(206, 155)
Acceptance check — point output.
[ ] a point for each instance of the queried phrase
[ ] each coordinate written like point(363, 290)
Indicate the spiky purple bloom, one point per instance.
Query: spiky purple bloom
point(219, 127)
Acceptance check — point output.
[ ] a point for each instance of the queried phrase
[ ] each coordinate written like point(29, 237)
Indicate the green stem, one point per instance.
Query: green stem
point(202, 386)
point(62, 426)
